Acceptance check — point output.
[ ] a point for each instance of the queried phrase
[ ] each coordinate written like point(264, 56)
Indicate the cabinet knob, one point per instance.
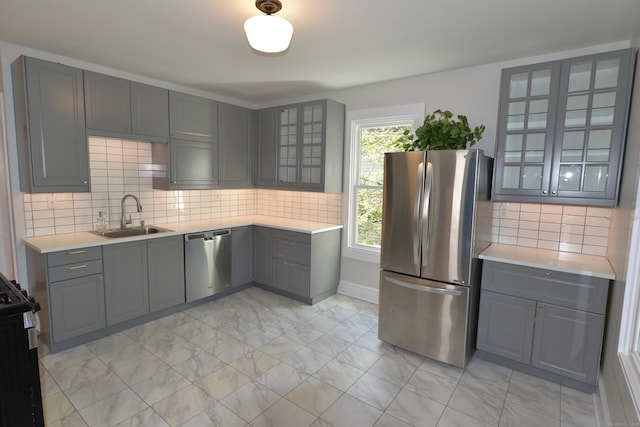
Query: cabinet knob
point(554, 192)
point(544, 191)
point(174, 182)
point(85, 182)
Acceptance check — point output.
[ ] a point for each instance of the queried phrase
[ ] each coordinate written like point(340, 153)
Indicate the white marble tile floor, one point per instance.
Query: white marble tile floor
point(256, 359)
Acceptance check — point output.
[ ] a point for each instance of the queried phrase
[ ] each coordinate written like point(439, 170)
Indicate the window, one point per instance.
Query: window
point(372, 133)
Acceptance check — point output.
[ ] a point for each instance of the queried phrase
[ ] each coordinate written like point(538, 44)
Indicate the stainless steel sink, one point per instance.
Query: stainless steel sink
point(129, 232)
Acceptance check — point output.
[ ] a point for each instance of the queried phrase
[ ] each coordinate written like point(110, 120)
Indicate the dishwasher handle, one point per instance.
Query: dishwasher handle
point(207, 235)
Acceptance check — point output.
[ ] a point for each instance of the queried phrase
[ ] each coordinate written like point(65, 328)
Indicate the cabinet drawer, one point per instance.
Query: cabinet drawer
point(77, 269)
point(291, 250)
point(291, 235)
point(73, 256)
point(563, 289)
point(291, 277)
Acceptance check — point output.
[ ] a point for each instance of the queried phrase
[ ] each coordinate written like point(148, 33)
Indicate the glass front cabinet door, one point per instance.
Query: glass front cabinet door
point(562, 128)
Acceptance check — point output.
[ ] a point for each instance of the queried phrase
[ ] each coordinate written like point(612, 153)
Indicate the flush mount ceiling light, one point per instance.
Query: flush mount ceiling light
point(268, 33)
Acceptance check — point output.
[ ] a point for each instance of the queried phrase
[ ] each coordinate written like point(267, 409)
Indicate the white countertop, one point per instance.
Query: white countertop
point(68, 241)
point(586, 265)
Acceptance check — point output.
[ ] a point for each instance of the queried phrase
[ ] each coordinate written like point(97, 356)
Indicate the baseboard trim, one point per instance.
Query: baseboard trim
point(354, 290)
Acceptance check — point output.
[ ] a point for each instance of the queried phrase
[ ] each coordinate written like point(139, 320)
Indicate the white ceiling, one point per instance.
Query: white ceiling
point(336, 43)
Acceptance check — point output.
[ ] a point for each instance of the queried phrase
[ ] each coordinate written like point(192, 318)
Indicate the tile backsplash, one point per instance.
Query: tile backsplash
point(120, 167)
point(576, 229)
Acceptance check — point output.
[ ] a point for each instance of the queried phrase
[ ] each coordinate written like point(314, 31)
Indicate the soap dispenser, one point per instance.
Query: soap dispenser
point(101, 223)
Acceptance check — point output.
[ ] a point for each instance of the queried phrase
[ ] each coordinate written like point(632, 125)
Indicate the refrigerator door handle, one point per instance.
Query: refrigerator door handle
point(423, 288)
point(417, 254)
point(426, 198)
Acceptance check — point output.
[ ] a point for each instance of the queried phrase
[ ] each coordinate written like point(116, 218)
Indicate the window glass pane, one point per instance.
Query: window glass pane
point(518, 85)
point(513, 148)
point(603, 108)
point(369, 216)
point(532, 178)
point(540, 82)
point(572, 146)
point(599, 147)
point(308, 114)
point(515, 116)
point(538, 114)
point(580, 77)
point(511, 177)
point(570, 177)
point(576, 114)
point(607, 73)
point(317, 113)
point(535, 148)
point(595, 177)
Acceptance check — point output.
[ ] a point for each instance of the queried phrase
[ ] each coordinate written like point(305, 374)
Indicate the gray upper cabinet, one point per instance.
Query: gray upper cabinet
point(561, 130)
point(50, 127)
point(267, 137)
point(193, 118)
point(118, 107)
point(308, 149)
point(236, 141)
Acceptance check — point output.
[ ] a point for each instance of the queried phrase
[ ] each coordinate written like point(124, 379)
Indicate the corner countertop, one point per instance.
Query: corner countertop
point(586, 265)
point(69, 241)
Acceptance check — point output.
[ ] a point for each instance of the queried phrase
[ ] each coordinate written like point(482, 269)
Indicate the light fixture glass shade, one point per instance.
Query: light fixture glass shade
point(268, 33)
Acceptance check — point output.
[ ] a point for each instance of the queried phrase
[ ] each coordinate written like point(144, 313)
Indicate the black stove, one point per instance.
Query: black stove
point(20, 395)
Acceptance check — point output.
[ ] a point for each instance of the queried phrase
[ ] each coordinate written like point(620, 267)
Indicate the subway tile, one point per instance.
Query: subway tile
point(530, 207)
point(552, 209)
point(597, 222)
point(572, 229)
point(528, 234)
point(528, 225)
point(547, 235)
point(570, 247)
point(531, 243)
point(573, 219)
point(595, 241)
point(594, 250)
point(551, 217)
point(596, 231)
point(571, 238)
point(599, 212)
point(575, 210)
point(548, 244)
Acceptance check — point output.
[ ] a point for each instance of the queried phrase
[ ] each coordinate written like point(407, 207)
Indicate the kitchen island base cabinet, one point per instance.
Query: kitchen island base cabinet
point(558, 335)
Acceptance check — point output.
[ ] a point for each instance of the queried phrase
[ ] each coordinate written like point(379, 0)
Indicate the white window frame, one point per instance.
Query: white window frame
point(355, 120)
point(629, 338)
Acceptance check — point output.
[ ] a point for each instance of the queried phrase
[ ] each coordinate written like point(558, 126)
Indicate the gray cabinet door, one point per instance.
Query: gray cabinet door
point(149, 111)
point(107, 102)
point(193, 164)
point(562, 128)
point(241, 255)
point(193, 118)
point(76, 306)
point(236, 127)
point(262, 255)
point(291, 277)
point(165, 258)
point(505, 326)
point(126, 281)
point(568, 342)
point(267, 126)
point(50, 126)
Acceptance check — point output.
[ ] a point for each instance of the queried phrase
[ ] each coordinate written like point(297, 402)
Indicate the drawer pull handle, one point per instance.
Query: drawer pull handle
point(81, 251)
point(77, 267)
point(534, 271)
point(289, 264)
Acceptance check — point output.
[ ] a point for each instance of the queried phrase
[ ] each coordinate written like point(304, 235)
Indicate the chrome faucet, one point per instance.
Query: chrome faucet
point(123, 219)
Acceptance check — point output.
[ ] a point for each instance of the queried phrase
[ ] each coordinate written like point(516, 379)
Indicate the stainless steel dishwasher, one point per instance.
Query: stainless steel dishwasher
point(207, 258)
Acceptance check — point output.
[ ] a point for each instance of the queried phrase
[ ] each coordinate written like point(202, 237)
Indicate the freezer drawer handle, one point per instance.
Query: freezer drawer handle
point(424, 288)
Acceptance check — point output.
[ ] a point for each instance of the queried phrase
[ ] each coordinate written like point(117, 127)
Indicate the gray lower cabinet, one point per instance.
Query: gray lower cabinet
point(241, 255)
point(165, 262)
point(75, 289)
point(305, 266)
point(547, 321)
point(142, 277)
point(262, 255)
point(53, 152)
point(236, 141)
point(126, 281)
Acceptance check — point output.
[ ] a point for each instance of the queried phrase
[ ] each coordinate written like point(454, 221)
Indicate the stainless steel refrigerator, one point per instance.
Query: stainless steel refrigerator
point(436, 220)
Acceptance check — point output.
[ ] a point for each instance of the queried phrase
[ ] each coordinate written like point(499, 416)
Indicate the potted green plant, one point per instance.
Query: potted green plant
point(441, 131)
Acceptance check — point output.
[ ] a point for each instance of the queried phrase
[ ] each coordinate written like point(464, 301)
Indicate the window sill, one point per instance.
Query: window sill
point(366, 255)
